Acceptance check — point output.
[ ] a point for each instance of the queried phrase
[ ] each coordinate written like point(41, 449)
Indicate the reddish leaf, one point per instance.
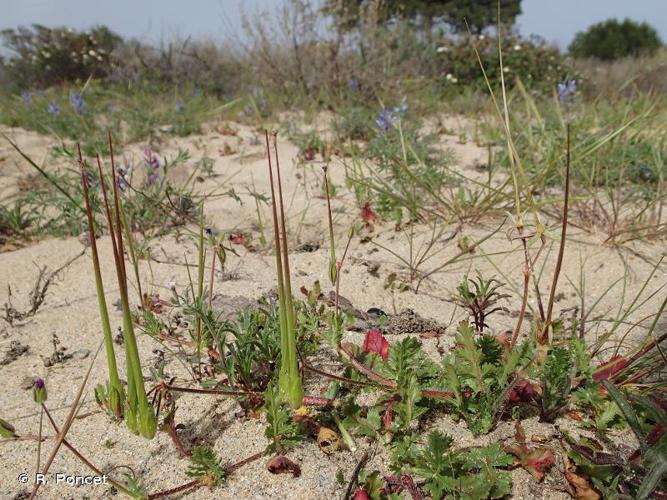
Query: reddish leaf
point(375, 342)
point(309, 154)
point(575, 415)
point(536, 460)
point(388, 417)
point(409, 483)
point(237, 238)
point(610, 368)
point(280, 464)
point(522, 392)
point(367, 214)
point(361, 494)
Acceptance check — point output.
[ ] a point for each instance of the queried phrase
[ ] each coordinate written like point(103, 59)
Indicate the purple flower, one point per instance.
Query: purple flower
point(27, 98)
point(475, 470)
point(53, 108)
point(386, 119)
point(353, 84)
point(39, 391)
point(152, 179)
point(567, 91)
point(121, 177)
point(150, 158)
point(76, 101)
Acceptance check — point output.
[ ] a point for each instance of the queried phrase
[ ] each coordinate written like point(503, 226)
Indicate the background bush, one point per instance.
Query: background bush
point(41, 56)
point(612, 39)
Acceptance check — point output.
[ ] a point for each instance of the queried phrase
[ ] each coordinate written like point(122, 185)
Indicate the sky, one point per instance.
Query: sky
point(154, 20)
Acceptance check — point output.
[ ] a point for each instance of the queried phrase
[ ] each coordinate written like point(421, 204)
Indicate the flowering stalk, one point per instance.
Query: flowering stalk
point(140, 416)
point(289, 380)
point(115, 393)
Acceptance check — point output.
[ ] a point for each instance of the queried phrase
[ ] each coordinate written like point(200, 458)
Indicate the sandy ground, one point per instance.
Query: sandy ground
point(70, 312)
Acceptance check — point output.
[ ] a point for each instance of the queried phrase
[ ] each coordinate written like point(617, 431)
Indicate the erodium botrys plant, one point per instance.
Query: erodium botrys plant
point(138, 413)
point(113, 396)
point(289, 381)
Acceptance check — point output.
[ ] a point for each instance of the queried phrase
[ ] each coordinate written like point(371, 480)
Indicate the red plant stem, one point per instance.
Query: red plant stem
point(196, 483)
point(220, 392)
point(364, 369)
point(119, 225)
point(173, 434)
point(107, 207)
point(307, 400)
point(437, 394)
point(340, 378)
point(338, 271)
point(288, 284)
point(245, 461)
point(318, 401)
point(178, 489)
point(60, 436)
point(385, 382)
point(524, 303)
point(78, 455)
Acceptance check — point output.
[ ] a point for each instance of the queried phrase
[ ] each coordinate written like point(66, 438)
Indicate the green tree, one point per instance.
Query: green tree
point(612, 39)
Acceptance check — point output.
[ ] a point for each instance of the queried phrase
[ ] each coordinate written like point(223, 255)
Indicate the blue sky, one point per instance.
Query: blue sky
point(154, 20)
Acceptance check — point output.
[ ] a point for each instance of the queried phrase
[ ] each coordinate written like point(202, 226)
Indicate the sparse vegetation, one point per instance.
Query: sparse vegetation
point(383, 203)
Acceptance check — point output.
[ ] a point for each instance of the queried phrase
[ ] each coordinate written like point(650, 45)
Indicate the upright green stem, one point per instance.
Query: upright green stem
point(116, 393)
point(289, 380)
point(141, 416)
point(333, 271)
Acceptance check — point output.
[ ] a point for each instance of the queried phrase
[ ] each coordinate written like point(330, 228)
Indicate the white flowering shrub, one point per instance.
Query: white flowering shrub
point(41, 56)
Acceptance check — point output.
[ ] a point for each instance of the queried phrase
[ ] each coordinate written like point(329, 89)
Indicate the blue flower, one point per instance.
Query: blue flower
point(386, 119)
point(53, 108)
point(178, 107)
point(388, 116)
point(76, 101)
point(353, 84)
point(27, 98)
point(567, 91)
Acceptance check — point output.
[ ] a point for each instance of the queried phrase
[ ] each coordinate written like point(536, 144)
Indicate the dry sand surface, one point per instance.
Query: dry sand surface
point(70, 311)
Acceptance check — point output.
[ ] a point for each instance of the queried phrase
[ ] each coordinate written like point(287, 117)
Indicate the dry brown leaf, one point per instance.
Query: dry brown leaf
point(582, 488)
point(328, 440)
